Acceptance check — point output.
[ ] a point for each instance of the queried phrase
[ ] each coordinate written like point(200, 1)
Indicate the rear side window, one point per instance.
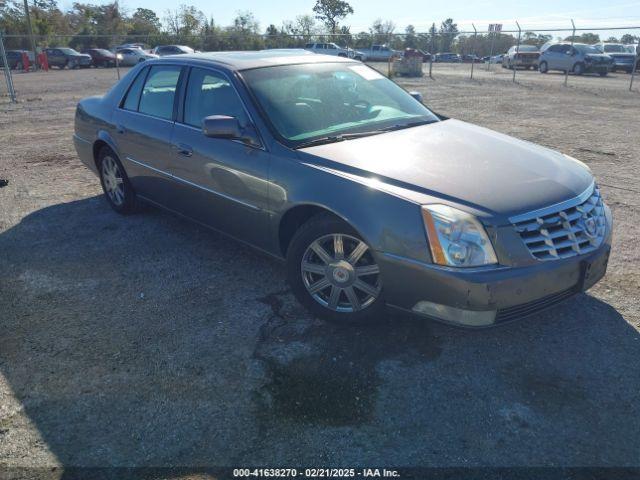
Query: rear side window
point(159, 92)
point(133, 96)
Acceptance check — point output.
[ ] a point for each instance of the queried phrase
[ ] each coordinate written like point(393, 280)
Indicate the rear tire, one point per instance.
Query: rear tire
point(115, 182)
point(333, 272)
point(578, 69)
point(543, 67)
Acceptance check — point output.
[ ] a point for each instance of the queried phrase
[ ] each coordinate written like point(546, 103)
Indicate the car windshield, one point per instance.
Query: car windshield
point(614, 49)
point(321, 100)
point(587, 49)
point(527, 48)
point(69, 51)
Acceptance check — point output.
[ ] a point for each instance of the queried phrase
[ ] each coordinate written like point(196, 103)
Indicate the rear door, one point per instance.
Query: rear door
point(223, 182)
point(143, 126)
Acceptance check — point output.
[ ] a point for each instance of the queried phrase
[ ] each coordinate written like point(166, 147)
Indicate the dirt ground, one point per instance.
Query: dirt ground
point(149, 341)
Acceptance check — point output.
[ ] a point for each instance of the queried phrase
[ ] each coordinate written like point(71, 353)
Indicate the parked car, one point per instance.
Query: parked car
point(297, 155)
point(163, 50)
point(380, 53)
point(633, 49)
point(622, 59)
point(14, 58)
point(101, 57)
point(132, 56)
point(525, 56)
point(471, 58)
point(130, 45)
point(333, 49)
point(67, 58)
point(494, 59)
point(577, 58)
point(447, 58)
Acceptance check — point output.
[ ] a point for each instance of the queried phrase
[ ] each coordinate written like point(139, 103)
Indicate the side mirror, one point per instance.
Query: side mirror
point(416, 95)
point(221, 126)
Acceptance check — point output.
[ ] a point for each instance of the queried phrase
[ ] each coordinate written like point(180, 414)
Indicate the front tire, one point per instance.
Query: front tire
point(543, 67)
point(333, 272)
point(578, 69)
point(115, 183)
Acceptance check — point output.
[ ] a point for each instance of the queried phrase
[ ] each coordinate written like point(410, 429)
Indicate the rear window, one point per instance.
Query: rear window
point(133, 96)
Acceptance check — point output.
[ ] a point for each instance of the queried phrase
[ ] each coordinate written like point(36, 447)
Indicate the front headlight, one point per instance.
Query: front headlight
point(456, 238)
point(119, 56)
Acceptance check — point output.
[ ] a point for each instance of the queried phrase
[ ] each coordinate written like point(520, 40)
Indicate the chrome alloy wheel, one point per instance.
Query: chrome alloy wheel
point(113, 182)
point(340, 273)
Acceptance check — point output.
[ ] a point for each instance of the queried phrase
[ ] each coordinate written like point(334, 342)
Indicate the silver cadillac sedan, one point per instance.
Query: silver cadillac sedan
point(373, 199)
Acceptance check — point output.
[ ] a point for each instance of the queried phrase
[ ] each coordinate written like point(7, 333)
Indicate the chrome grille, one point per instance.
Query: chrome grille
point(565, 230)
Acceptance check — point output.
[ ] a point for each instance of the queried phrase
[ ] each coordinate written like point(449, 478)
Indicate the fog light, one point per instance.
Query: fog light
point(469, 318)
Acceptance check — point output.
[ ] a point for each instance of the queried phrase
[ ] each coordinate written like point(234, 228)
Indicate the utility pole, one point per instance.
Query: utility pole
point(30, 29)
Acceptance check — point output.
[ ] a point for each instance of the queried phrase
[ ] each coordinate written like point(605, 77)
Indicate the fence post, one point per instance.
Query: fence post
point(433, 34)
point(117, 60)
point(493, 39)
point(7, 71)
point(635, 65)
point(573, 34)
point(517, 52)
point(473, 50)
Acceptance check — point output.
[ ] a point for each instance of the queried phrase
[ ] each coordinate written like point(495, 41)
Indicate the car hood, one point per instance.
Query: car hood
point(457, 163)
point(598, 56)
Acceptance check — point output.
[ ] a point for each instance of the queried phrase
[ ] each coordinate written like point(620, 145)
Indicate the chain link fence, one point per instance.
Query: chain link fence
point(480, 52)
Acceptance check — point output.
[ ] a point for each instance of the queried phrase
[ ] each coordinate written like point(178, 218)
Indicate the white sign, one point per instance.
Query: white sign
point(495, 27)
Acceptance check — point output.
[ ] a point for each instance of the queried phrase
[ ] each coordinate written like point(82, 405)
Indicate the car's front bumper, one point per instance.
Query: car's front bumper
point(481, 297)
point(598, 67)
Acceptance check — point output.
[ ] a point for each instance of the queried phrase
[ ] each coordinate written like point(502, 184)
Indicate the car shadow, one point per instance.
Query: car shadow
point(148, 341)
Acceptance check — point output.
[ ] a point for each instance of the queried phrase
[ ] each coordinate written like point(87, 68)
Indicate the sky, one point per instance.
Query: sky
point(421, 13)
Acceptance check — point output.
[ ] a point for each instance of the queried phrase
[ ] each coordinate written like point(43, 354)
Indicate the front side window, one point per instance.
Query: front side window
point(586, 49)
point(159, 92)
point(312, 101)
point(210, 93)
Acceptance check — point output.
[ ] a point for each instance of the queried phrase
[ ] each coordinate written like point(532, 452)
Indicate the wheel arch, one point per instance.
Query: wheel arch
point(298, 215)
point(103, 140)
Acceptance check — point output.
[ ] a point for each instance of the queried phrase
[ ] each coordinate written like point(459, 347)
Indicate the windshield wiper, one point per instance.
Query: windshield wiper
point(337, 138)
point(349, 136)
point(400, 126)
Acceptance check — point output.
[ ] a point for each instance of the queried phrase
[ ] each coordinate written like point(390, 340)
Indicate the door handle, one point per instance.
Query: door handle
point(184, 149)
point(120, 129)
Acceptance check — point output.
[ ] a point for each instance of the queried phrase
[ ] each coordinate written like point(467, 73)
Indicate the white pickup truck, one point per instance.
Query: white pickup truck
point(380, 53)
point(333, 49)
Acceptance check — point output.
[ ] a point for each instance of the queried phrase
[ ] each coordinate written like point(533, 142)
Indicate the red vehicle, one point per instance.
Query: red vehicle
point(101, 57)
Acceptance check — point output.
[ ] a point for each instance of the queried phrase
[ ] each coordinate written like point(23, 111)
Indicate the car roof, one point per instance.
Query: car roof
point(256, 59)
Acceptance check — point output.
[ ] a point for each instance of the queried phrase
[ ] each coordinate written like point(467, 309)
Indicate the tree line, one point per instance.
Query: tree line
point(87, 25)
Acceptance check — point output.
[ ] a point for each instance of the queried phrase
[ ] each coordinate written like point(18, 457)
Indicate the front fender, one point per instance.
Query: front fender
point(387, 222)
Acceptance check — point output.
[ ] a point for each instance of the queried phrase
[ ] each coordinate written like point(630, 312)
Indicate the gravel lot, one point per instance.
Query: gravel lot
point(148, 341)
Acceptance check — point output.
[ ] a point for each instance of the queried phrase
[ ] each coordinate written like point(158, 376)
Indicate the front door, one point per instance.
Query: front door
point(143, 127)
point(223, 182)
